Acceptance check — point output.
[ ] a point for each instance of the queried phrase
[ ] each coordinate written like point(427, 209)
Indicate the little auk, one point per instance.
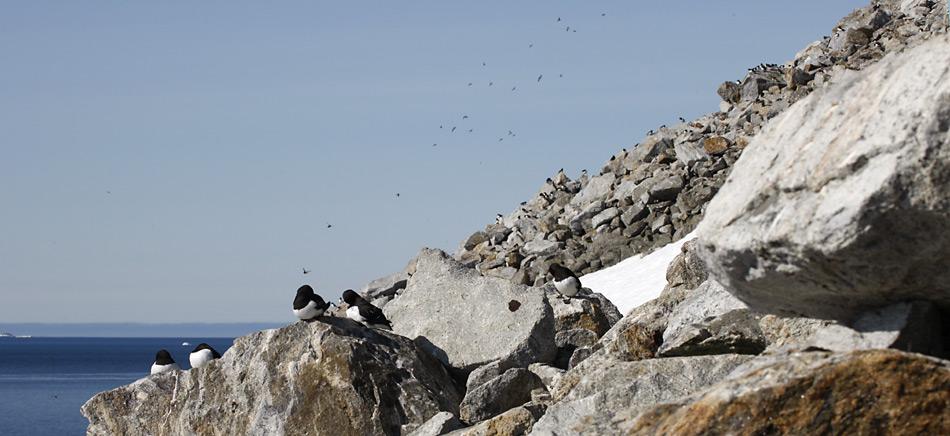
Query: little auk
point(164, 363)
point(565, 281)
point(363, 312)
point(202, 354)
point(308, 305)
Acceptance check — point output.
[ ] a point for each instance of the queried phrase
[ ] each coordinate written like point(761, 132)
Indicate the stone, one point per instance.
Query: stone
point(386, 286)
point(666, 187)
point(511, 389)
point(328, 377)
point(590, 406)
point(474, 240)
point(458, 313)
point(715, 145)
point(604, 217)
point(842, 203)
point(577, 221)
point(596, 189)
point(864, 392)
point(915, 326)
point(729, 92)
point(440, 424)
point(650, 148)
point(712, 321)
point(514, 422)
point(548, 374)
point(541, 247)
point(688, 152)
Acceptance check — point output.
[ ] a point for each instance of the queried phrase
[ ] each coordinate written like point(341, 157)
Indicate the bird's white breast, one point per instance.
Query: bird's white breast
point(309, 311)
point(353, 312)
point(568, 287)
point(158, 369)
point(200, 358)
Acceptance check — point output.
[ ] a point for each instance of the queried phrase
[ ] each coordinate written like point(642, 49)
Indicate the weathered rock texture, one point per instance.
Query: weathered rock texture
point(328, 377)
point(468, 320)
point(590, 406)
point(866, 392)
point(510, 389)
point(843, 203)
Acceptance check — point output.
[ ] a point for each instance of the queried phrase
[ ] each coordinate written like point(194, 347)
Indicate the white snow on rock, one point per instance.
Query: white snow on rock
point(637, 279)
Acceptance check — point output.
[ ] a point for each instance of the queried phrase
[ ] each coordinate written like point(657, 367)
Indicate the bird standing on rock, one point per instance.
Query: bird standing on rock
point(202, 354)
point(363, 312)
point(164, 363)
point(308, 305)
point(565, 281)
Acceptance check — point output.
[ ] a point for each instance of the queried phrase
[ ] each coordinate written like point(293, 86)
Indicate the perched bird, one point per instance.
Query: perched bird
point(565, 281)
point(202, 354)
point(363, 312)
point(164, 363)
point(308, 305)
point(682, 120)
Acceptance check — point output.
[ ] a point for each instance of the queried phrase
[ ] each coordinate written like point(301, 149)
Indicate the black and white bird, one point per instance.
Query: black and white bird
point(363, 312)
point(565, 281)
point(308, 305)
point(164, 363)
point(202, 354)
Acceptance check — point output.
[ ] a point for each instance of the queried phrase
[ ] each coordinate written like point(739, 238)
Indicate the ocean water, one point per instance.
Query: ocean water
point(44, 381)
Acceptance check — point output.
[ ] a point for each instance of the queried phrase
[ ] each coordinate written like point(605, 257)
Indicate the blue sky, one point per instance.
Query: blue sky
point(180, 162)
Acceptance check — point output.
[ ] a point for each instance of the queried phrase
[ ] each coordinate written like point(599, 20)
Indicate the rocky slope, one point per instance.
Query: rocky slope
point(767, 324)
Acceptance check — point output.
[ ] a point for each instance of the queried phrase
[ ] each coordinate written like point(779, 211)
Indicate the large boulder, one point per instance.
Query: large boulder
point(468, 320)
point(510, 389)
point(590, 406)
point(328, 377)
point(864, 392)
point(842, 203)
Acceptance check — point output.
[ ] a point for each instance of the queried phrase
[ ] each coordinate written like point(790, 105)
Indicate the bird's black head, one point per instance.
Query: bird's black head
point(559, 272)
point(202, 346)
point(305, 290)
point(163, 357)
point(351, 297)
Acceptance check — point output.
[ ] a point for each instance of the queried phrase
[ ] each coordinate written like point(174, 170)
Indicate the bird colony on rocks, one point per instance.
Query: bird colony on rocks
point(813, 301)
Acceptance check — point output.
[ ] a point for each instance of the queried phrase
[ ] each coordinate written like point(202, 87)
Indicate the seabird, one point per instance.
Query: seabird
point(530, 45)
point(434, 144)
point(464, 117)
point(363, 312)
point(469, 83)
point(329, 225)
point(308, 305)
point(565, 281)
point(453, 129)
point(397, 194)
point(558, 19)
point(305, 271)
point(202, 354)
point(491, 83)
point(540, 76)
point(164, 363)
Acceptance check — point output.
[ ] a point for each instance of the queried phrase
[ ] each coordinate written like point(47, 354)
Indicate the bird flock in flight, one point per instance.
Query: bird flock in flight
point(453, 126)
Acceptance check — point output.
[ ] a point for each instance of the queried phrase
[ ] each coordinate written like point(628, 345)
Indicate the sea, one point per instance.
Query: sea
point(44, 381)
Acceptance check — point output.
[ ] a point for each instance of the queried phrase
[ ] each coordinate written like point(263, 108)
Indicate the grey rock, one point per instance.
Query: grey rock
point(688, 152)
point(548, 374)
point(712, 321)
point(575, 338)
point(440, 424)
point(511, 389)
point(666, 188)
point(806, 222)
point(437, 305)
point(915, 326)
point(605, 217)
point(597, 189)
point(331, 377)
point(514, 422)
point(590, 406)
point(729, 92)
point(541, 247)
point(649, 149)
point(475, 239)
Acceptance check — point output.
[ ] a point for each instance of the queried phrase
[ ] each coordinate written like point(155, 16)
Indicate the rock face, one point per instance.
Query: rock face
point(468, 320)
point(866, 392)
point(843, 202)
point(319, 378)
point(511, 389)
point(631, 386)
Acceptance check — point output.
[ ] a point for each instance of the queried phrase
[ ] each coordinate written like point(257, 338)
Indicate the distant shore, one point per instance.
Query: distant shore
point(125, 330)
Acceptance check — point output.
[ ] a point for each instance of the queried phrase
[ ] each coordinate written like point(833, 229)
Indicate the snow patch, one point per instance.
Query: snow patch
point(637, 279)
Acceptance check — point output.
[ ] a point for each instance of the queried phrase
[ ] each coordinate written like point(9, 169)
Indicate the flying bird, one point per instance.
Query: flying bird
point(397, 194)
point(491, 83)
point(539, 77)
point(453, 129)
point(306, 271)
point(329, 226)
point(530, 45)
point(464, 117)
point(558, 19)
point(514, 88)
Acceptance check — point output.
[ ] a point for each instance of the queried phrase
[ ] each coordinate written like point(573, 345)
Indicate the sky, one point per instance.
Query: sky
point(181, 161)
